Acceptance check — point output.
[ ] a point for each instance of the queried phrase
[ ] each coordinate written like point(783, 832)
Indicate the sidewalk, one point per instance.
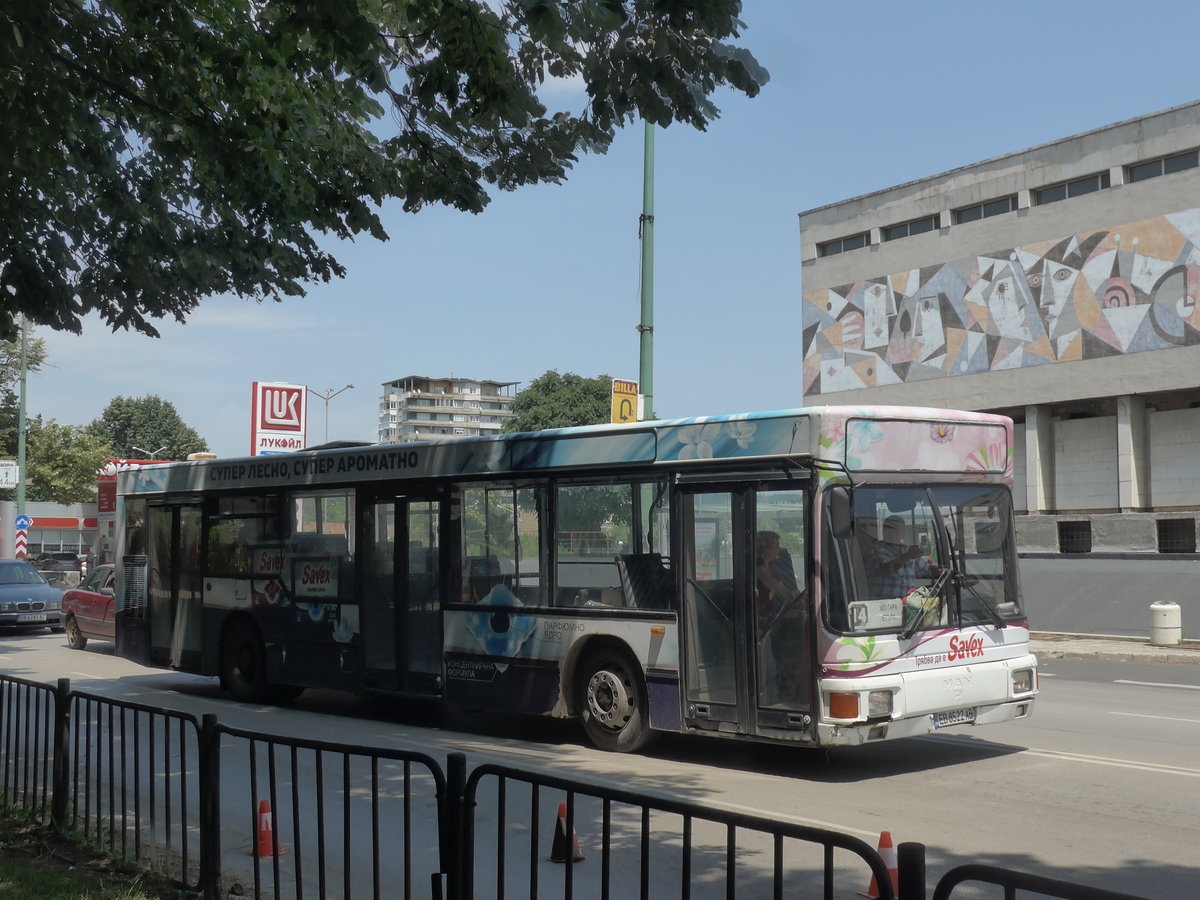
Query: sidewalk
point(1113, 649)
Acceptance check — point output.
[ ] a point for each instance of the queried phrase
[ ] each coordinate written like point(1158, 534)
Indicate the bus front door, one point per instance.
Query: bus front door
point(746, 664)
point(401, 601)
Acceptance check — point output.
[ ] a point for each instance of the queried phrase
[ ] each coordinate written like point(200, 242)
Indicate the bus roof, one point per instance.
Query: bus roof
point(858, 439)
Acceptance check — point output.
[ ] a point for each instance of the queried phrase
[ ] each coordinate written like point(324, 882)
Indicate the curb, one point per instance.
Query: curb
point(1080, 647)
point(1147, 656)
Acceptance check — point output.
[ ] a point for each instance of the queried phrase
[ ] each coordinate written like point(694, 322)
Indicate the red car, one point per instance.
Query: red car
point(87, 610)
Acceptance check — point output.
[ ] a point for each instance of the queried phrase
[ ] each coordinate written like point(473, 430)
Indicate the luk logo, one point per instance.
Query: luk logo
point(280, 407)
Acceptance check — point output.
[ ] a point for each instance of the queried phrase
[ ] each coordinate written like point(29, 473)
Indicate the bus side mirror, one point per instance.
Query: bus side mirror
point(841, 511)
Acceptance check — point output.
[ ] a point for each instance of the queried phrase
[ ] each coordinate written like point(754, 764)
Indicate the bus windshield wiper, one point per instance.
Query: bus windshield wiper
point(938, 588)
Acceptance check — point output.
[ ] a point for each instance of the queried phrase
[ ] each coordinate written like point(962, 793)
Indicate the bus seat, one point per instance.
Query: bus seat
point(645, 580)
point(311, 544)
point(483, 574)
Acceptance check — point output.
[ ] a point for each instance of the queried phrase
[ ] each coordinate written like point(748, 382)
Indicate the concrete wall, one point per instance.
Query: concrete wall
point(1174, 460)
point(1085, 464)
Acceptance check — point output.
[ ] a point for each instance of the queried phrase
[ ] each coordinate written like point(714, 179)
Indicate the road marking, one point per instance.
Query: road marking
point(1113, 712)
point(1166, 684)
point(1047, 675)
point(1161, 768)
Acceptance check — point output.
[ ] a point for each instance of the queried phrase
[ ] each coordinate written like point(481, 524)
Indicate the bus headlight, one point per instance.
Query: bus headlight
point(1022, 681)
point(879, 704)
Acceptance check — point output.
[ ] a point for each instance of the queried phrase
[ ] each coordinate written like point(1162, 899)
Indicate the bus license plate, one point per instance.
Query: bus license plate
point(954, 717)
point(31, 617)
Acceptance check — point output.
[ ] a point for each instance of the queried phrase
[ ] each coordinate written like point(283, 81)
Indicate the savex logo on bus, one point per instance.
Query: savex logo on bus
point(278, 418)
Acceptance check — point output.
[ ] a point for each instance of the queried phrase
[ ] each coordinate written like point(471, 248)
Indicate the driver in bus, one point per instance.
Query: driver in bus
point(896, 563)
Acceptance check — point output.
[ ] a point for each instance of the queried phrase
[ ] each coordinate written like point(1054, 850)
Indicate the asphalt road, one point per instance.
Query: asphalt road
point(1100, 786)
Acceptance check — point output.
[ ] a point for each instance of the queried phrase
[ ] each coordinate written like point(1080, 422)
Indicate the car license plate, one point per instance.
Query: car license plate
point(954, 717)
point(31, 617)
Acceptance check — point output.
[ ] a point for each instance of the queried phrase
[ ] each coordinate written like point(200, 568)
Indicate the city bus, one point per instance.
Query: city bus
point(824, 576)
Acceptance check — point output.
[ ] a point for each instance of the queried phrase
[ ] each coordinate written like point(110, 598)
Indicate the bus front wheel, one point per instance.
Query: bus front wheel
point(612, 703)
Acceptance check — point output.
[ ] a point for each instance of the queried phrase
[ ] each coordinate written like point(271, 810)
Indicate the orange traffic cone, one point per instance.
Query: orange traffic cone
point(888, 854)
point(558, 850)
point(266, 845)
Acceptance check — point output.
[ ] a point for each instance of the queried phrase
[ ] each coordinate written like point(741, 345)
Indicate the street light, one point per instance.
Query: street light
point(328, 395)
point(148, 455)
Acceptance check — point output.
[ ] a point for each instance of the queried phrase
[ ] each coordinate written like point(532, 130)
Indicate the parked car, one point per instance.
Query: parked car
point(88, 609)
point(26, 599)
point(58, 561)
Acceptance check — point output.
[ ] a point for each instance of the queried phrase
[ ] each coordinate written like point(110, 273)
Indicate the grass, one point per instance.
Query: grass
point(36, 861)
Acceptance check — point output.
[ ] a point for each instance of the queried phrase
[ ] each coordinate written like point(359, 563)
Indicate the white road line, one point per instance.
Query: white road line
point(1113, 712)
point(1163, 684)
point(1117, 763)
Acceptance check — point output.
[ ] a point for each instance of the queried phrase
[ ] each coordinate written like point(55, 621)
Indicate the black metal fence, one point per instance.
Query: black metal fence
point(649, 846)
point(27, 751)
point(330, 819)
point(287, 817)
point(135, 782)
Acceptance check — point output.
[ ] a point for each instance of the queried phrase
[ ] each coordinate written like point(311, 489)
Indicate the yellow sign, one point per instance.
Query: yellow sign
point(624, 401)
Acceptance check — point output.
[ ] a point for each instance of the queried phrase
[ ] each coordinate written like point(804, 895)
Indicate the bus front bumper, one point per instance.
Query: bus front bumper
point(853, 734)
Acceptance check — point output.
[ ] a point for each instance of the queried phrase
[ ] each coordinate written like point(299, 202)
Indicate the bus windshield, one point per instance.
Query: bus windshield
point(924, 557)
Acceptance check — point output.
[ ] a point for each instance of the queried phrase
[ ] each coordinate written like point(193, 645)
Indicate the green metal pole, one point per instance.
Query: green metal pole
point(21, 427)
point(646, 327)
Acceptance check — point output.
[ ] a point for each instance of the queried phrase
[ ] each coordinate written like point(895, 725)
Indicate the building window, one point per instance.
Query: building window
point(908, 229)
point(1176, 535)
point(1074, 537)
point(1165, 166)
point(984, 210)
point(1057, 192)
point(841, 245)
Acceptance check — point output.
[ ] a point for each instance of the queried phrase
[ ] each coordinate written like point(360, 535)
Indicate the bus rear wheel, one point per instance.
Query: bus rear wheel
point(612, 703)
point(244, 664)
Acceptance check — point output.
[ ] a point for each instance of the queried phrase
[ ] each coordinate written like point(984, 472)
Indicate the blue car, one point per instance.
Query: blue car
point(27, 600)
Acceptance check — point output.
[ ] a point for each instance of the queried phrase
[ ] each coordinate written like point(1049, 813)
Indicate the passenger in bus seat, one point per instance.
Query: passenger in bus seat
point(779, 613)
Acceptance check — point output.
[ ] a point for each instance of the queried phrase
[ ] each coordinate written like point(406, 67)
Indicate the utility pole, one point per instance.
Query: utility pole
point(646, 233)
point(327, 395)
point(21, 425)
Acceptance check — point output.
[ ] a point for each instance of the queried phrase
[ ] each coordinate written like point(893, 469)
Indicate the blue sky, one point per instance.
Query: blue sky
point(863, 96)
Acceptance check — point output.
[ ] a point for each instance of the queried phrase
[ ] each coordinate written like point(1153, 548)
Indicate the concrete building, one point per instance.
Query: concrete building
point(1056, 285)
point(417, 408)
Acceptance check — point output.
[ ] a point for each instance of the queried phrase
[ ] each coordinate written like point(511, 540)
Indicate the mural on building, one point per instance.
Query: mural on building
point(1122, 290)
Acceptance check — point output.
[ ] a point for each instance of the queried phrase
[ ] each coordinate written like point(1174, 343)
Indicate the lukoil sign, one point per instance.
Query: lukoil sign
point(278, 418)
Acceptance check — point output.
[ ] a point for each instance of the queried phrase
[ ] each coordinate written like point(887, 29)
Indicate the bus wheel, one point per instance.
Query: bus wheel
point(76, 639)
point(244, 664)
point(613, 703)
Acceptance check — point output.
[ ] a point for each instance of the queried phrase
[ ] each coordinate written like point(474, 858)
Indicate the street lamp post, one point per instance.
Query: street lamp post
point(148, 454)
point(327, 395)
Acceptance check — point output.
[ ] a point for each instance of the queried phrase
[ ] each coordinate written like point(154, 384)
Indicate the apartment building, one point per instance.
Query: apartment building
point(1056, 285)
point(418, 408)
